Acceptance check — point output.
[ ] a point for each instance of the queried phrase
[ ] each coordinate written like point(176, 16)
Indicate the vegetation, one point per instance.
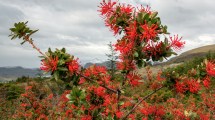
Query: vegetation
point(93, 93)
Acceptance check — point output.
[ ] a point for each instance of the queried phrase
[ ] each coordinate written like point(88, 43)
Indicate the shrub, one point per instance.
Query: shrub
point(95, 94)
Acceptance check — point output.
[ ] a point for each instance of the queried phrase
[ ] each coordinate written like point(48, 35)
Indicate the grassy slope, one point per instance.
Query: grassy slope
point(197, 52)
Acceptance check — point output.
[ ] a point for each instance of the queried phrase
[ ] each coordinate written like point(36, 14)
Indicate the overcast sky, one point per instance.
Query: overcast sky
point(77, 26)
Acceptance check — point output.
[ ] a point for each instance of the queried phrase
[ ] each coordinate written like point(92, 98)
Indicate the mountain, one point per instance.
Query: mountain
point(12, 73)
point(188, 55)
point(106, 64)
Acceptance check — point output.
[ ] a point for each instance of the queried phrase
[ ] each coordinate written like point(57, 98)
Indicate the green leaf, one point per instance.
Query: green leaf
point(140, 63)
point(140, 17)
point(56, 75)
point(32, 32)
point(136, 54)
point(63, 50)
point(161, 59)
point(62, 69)
point(174, 53)
point(158, 21)
point(22, 42)
point(121, 103)
point(146, 17)
point(154, 14)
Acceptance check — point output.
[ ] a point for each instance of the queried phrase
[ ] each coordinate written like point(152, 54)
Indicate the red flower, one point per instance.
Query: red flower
point(81, 81)
point(24, 104)
point(131, 116)
point(119, 114)
point(68, 112)
point(160, 111)
point(24, 95)
point(134, 79)
point(146, 10)
point(35, 104)
point(180, 87)
point(73, 66)
point(179, 114)
point(159, 77)
point(193, 86)
point(107, 100)
point(154, 51)
point(144, 111)
point(210, 68)
point(49, 64)
point(206, 82)
point(99, 70)
point(149, 32)
point(131, 31)
point(107, 8)
point(126, 9)
point(124, 46)
point(28, 87)
point(50, 96)
point(204, 116)
point(176, 42)
point(42, 117)
point(86, 117)
point(112, 25)
point(100, 91)
point(125, 65)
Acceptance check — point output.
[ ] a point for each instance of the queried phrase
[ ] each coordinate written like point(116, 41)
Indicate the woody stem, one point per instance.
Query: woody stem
point(144, 98)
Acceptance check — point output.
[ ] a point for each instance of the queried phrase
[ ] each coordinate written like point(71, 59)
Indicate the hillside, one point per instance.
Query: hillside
point(188, 55)
point(106, 64)
point(11, 73)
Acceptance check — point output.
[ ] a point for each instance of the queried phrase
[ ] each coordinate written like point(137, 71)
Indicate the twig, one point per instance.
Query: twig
point(110, 89)
point(144, 98)
point(30, 41)
point(118, 98)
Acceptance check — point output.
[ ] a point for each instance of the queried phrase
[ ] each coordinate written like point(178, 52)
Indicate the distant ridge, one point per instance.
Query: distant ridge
point(190, 54)
point(12, 73)
point(106, 64)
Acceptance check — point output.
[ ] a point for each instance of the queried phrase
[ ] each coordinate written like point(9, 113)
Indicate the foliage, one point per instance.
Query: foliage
point(95, 94)
point(22, 79)
point(11, 91)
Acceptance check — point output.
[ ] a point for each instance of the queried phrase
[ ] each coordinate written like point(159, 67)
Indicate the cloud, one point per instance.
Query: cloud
point(77, 26)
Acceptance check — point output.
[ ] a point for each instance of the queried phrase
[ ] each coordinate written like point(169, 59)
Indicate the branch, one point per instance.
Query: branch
point(144, 98)
point(110, 89)
point(30, 41)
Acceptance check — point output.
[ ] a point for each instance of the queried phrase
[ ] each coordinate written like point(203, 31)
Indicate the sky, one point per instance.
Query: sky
point(77, 26)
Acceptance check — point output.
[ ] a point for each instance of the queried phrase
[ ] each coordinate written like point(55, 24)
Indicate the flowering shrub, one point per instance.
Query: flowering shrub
point(94, 95)
point(49, 107)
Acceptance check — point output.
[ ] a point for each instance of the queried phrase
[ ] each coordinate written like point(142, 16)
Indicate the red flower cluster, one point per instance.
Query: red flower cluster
point(149, 32)
point(145, 9)
point(107, 8)
point(131, 31)
point(124, 46)
point(98, 73)
point(134, 79)
point(73, 66)
point(176, 42)
point(49, 64)
point(99, 98)
point(210, 68)
point(191, 85)
point(206, 82)
point(180, 87)
point(125, 64)
point(157, 111)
